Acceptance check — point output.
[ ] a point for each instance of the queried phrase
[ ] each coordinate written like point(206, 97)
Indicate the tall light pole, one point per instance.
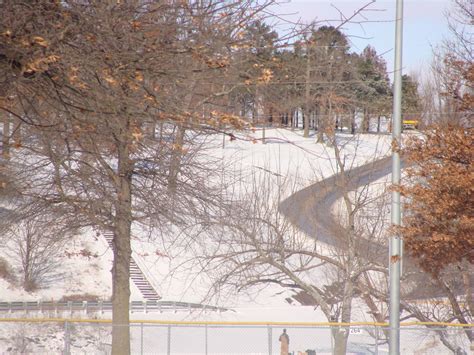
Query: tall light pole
point(395, 242)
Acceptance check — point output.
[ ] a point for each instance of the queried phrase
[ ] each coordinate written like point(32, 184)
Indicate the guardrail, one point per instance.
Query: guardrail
point(103, 306)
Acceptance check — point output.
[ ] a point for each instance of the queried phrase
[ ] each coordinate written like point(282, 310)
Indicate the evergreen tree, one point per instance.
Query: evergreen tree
point(373, 92)
point(330, 67)
point(410, 97)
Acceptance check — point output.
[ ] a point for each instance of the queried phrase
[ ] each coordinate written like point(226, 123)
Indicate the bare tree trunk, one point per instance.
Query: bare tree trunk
point(366, 121)
point(161, 131)
point(458, 313)
point(340, 340)
point(349, 238)
point(255, 107)
point(321, 125)
point(152, 129)
point(353, 123)
point(175, 162)
point(6, 137)
point(27, 277)
point(469, 300)
point(469, 287)
point(122, 255)
point(265, 121)
point(16, 134)
point(307, 94)
point(374, 310)
point(329, 126)
point(341, 335)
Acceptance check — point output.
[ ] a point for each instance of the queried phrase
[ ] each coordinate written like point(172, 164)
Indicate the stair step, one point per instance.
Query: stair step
point(139, 279)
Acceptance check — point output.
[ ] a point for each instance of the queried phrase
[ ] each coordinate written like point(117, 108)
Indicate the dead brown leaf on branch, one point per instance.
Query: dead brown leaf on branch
point(113, 95)
point(439, 223)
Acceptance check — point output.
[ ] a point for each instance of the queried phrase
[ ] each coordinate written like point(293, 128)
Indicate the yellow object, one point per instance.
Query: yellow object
point(413, 124)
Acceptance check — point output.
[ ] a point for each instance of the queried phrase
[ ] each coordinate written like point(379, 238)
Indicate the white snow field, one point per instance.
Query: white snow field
point(84, 268)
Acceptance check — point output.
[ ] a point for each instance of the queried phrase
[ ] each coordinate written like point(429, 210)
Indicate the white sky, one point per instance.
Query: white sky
point(425, 25)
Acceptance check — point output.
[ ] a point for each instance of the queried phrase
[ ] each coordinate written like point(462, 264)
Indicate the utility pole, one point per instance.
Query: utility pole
point(395, 249)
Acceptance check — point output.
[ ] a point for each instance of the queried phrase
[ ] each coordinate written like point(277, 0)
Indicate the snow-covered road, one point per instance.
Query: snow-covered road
point(310, 209)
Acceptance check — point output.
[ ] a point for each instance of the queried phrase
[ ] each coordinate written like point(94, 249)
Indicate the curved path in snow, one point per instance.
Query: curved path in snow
point(310, 209)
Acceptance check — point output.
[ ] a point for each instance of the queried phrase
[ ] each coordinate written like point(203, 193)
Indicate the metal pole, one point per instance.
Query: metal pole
point(270, 347)
point(141, 338)
point(331, 329)
point(395, 243)
point(206, 340)
point(168, 347)
point(66, 339)
point(376, 340)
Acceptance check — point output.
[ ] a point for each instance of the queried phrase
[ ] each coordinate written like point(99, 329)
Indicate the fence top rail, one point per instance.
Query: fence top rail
point(190, 323)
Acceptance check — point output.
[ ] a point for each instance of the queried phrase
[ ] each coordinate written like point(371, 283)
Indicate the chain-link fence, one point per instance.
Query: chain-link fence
point(69, 337)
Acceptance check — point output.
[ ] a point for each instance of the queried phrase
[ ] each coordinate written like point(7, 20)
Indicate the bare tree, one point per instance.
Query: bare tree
point(253, 245)
point(89, 80)
point(36, 242)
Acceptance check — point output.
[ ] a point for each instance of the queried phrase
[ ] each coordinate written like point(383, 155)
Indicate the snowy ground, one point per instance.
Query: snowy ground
point(285, 153)
point(85, 265)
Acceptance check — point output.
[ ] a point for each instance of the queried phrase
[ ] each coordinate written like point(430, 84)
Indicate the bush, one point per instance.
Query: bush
point(80, 297)
point(6, 271)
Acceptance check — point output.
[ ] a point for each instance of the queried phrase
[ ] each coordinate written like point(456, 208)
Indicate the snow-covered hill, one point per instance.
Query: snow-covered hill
point(83, 267)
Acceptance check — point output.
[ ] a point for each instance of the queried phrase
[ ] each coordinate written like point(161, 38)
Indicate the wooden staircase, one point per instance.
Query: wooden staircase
point(138, 277)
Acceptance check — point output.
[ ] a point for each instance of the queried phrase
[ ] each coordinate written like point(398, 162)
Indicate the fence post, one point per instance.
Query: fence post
point(205, 339)
point(270, 345)
point(331, 334)
point(376, 340)
point(66, 338)
point(141, 338)
point(168, 350)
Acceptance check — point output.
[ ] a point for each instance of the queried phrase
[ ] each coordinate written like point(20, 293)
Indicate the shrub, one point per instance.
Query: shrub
point(6, 271)
point(80, 297)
